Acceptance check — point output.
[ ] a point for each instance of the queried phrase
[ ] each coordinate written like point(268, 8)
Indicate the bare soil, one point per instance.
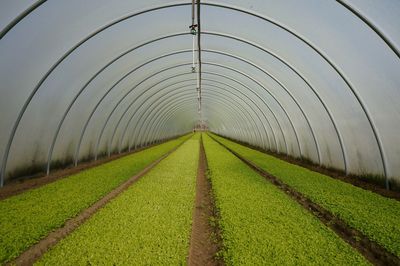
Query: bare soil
point(205, 239)
point(19, 186)
point(31, 255)
point(334, 173)
point(372, 251)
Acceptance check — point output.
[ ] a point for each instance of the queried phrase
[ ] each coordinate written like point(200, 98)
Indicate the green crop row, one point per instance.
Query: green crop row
point(374, 215)
point(261, 225)
point(28, 217)
point(148, 224)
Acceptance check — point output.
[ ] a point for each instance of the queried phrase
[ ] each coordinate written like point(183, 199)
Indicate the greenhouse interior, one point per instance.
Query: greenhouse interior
point(203, 132)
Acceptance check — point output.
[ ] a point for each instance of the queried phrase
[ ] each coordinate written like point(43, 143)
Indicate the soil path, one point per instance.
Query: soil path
point(372, 251)
point(31, 255)
point(205, 239)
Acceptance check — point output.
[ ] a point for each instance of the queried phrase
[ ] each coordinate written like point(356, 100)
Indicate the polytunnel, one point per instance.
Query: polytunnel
point(311, 81)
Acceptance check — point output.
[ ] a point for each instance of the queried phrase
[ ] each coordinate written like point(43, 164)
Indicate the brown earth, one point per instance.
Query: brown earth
point(205, 239)
point(372, 251)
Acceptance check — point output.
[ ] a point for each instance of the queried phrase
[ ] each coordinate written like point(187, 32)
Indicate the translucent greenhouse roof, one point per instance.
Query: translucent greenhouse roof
point(313, 79)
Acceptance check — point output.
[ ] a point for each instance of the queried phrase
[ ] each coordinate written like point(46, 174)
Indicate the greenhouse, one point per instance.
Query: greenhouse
point(200, 132)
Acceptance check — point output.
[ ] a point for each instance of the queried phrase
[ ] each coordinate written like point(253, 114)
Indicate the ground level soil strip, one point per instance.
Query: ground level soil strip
point(334, 173)
point(36, 251)
point(205, 239)
point(372, 251)
point(19, 186)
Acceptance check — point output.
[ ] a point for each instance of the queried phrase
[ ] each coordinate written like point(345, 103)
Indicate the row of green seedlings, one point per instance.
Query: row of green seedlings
point(28, 217)
point(375, 216)
point(148, 224)
point(261, 225)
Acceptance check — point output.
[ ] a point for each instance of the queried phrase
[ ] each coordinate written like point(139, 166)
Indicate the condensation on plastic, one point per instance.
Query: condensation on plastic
point(312, 79)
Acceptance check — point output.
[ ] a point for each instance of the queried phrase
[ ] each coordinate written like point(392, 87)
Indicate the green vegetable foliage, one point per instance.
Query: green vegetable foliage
point(261, 225)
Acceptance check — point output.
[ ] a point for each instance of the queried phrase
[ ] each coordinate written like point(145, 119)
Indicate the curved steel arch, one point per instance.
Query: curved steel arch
point(236, 128)
point(183, 103)
point(91, 114)
point(149, 125)
point(152, 60)
point(250, 135)
point(251, 100)
point(20, 17)
point(220, 120)
point(163, 56)
point(54, 66)
point(145, 101)
point(370, 24)
point(376, 135)
point(162, 126)
point(182, 100)
point(181, 108)
point(150, 96)
point(131, 104)
point(262, 86)
point(297, 72)
point(245, 95)
point(220, 117)
point(92, 78)
point(234, 80)
point(175, 89)
point(264, 50)
point(130, 72)
point(102, 69)
point(77, 151)
point(283, 87)
point(237, 102)
point(255, 104)
point(189, 103)
point(337, 70)
point(100, 136)
point(185, 108)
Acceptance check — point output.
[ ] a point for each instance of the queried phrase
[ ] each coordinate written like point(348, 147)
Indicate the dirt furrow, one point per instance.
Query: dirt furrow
point(205, 239)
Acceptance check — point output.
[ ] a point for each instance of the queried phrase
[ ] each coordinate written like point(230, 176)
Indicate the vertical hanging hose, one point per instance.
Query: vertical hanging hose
point(193, 53)
point(192, 27)
point(194, 33)
point(199, 55)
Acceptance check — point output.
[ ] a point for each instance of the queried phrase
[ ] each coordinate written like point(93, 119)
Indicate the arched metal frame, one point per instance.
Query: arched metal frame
point(358, 14)
point(175, 89)
point(173, 84)
point(97, 73)
point(242, 114)
point(235, 103)
point(178, 34)
point(208, 106)
point(186, 101)
point(152, 60)
point(132, 103)
point(237, 129)
point(151, 87)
